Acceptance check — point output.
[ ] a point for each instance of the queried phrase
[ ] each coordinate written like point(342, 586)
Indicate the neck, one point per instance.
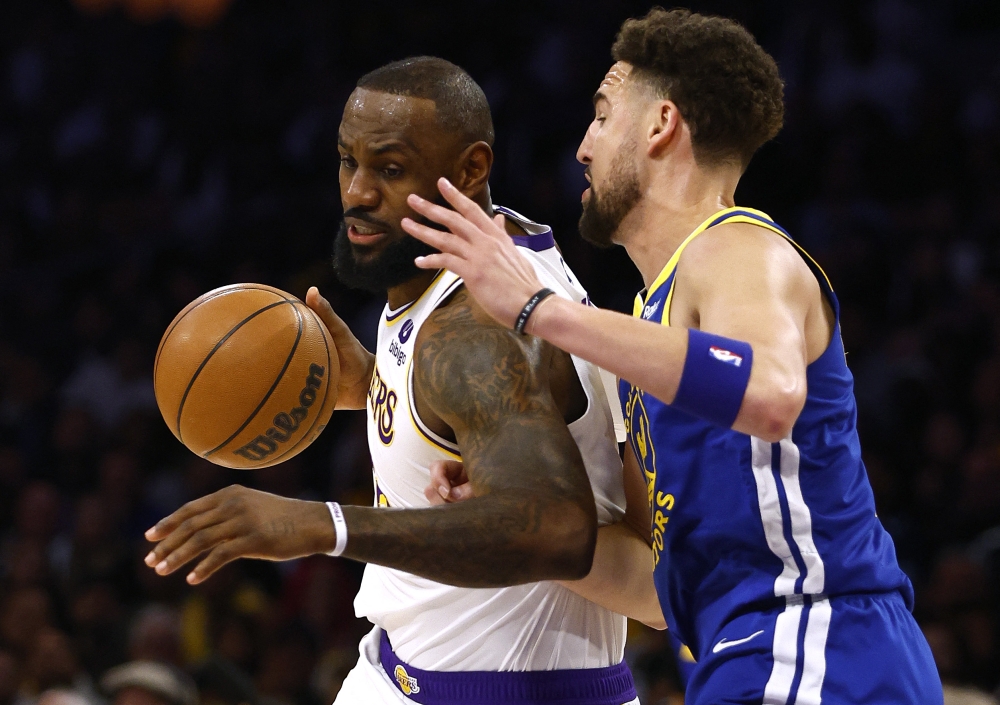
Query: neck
point(677, 201)
point(411, 289)
point(399, 296)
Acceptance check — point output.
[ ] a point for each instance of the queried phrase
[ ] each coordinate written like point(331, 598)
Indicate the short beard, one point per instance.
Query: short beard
point(390, 267)
point(603, 215)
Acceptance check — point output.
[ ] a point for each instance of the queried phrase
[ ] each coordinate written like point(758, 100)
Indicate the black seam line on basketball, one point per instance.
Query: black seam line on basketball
point(288, 361)
point(228, 290)
point(329, 364)
point(212, 352)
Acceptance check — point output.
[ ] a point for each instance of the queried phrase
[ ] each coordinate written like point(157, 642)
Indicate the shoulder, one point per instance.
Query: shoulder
point(459, 329)
point(463, 358)
point(740, 252)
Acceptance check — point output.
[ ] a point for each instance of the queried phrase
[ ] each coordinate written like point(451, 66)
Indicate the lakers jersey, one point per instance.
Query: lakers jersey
point(739, 523)
point(436, 627)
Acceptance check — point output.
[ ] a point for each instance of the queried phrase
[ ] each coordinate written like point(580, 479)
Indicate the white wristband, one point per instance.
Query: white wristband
point(339, 526)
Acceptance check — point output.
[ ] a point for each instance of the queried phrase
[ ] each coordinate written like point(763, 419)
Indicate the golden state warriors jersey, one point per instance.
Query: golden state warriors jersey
point(437, 627)
point(741, 524)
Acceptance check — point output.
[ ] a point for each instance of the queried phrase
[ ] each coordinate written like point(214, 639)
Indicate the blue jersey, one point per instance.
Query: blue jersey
point(740, 524)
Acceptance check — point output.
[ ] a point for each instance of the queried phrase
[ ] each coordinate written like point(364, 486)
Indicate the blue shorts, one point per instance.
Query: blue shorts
point(848, 649)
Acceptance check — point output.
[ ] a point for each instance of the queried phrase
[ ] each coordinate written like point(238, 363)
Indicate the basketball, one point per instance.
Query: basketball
point(246, 376)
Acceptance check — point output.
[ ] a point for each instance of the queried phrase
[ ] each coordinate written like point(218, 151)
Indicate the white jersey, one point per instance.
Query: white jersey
point(436, 627)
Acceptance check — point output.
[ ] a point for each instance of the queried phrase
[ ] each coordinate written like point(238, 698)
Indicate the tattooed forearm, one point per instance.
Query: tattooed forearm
point(491, 541)
point(534, 516)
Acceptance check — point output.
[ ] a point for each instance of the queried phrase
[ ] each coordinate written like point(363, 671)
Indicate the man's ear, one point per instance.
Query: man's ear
point(664, 127)
point(474, 165)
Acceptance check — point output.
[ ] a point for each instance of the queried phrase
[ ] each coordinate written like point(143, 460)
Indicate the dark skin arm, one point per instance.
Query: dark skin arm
point(621, 578)
point(533, 518)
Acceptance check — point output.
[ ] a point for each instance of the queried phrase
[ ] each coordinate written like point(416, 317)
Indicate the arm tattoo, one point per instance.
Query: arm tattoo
point(534, 516)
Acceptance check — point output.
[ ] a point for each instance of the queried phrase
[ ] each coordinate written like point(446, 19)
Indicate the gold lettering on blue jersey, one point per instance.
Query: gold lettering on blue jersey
point(637, 427)
point(382, 401)
point(660, 505)
point(664, 504)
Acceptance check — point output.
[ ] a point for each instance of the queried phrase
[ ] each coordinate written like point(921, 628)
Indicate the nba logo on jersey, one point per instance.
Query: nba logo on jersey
point(730, 358)
point(407, 684)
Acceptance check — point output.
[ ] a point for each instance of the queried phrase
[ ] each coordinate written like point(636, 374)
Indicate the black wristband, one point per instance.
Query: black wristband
point(522, 318)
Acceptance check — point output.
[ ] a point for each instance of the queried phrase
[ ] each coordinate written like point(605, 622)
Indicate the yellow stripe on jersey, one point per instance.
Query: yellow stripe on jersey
point(439, 445)
point(736, 214)
point(671, 264)
point(395, 317)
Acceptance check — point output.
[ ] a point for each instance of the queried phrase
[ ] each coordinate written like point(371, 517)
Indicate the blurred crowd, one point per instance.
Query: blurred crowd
point(144, 161)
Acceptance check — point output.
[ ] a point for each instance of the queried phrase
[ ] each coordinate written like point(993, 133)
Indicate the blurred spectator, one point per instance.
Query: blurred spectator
point(111, 388)
point(10, 678)
point(25, 614)
point(155, 635)
point(51, 663)
point(148, 683)
point(59, 696)
point(948, 655)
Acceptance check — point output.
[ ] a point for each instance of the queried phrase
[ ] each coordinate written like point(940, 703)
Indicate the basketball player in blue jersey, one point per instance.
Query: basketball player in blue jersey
point(770, 561)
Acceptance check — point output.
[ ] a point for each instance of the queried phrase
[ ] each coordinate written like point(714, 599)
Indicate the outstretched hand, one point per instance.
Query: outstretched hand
point(477, 249)
point(238, 522)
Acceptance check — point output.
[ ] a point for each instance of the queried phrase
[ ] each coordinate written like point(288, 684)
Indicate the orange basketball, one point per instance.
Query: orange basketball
point(246, 376)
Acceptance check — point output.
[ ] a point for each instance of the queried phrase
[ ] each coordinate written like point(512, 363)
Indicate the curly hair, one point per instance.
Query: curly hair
point(725, 85)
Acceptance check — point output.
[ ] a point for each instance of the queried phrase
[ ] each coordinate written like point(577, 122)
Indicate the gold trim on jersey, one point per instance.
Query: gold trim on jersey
point(736, 215)
point(426, 435)
point(393, 317)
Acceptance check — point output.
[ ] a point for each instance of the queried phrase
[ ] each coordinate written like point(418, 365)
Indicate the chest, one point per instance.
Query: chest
point(402, 447)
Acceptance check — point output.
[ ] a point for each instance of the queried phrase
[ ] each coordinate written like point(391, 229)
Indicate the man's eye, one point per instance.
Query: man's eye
point(392, 172)
point(347, 162)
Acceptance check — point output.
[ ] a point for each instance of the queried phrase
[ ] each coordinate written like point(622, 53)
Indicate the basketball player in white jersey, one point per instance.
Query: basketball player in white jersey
point(461, 595)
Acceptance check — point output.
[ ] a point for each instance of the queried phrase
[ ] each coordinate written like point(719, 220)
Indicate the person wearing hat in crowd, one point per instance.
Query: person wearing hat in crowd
point(149, 683)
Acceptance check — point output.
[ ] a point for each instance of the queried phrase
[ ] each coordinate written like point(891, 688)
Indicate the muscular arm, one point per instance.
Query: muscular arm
point(746, 283)
point(533, 516)
point(741, 282)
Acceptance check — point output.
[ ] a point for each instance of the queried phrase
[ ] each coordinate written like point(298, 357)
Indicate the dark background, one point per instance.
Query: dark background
point(151, 150)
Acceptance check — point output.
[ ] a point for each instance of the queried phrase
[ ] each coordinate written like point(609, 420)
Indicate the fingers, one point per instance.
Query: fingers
point(463, 204)
point(443, 261)
point(195, 544)
point(461, 493)
point(450, 471)
point(222, 554)
point(440, 485)
point(324, 310)
point(433, 495)
point(468, 221)
point(444, 241)
point(168, 524)
point(449, 483)
point(453, 220)
point(180, 534)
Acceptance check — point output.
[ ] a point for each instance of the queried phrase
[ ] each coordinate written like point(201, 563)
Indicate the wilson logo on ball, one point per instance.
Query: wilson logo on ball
point(284, 423)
